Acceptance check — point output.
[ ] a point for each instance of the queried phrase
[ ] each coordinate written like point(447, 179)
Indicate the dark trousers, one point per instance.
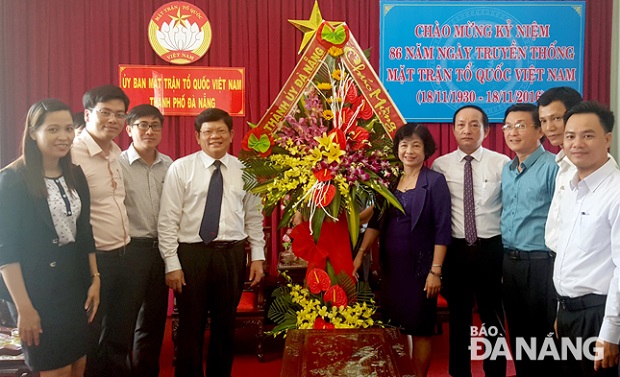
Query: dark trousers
point(529, 300)
point(214, 278)
point(474, 274)
point(151, 323)
point(577, 321)
point(122, 289)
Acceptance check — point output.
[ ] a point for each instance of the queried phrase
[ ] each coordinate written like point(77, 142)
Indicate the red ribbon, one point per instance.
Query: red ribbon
point(334, 243)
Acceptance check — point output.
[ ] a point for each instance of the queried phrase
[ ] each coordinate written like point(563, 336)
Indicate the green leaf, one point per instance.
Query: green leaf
point(261, 144)
point(317, 223)
point(289, 210)
point(336, 36)
point(353, 218)
point(281, 291)
point(387, 194)
point(262, 187)
point(334, 207)
point(364, 292)
point(330, 271)
point(346, 283)
point(279, 307)
point(284, 326)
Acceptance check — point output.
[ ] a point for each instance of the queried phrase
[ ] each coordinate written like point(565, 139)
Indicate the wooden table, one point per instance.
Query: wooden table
point(347, 353)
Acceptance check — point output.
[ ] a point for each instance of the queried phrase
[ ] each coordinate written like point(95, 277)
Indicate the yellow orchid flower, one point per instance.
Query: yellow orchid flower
point(325, 140)
point(334, 154)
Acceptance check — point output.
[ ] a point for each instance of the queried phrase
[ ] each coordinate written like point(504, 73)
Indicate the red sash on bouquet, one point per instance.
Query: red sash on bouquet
point(334, 243)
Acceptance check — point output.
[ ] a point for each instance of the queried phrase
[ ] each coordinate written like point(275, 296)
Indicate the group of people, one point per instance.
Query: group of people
point(91, 237)
point(532, 242)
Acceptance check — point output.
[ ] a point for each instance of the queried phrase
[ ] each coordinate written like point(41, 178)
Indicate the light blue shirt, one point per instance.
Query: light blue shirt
point(526, 197)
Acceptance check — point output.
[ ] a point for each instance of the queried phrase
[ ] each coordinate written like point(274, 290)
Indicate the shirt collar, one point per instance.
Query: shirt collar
point(477, 155)
point(94, 148)
point(208, 160)
point(594, 180)
point(560, 156)
point(133, 155)
point(529, 161)
point(563, 161)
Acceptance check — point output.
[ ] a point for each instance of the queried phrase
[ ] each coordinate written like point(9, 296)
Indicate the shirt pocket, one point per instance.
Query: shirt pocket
point(587, 230)
point(237, 194)
point(490, 192)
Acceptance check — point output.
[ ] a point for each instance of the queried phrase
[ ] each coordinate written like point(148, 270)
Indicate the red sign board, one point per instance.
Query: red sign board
point(185, 90)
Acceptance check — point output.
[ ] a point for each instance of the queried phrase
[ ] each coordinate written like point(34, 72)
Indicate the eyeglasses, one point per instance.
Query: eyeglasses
point(108, 114)
point(220, 132)
point(518, 126)
point(144, 126)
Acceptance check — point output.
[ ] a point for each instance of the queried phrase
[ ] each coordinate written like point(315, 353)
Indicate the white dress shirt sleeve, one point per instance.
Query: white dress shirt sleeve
point(171, 210)
point(610, 330)
point(254, 226)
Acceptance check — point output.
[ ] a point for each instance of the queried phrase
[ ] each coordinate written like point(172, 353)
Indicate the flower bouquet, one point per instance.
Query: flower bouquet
point(331, 155)
point(327, 302)
point(324, 150)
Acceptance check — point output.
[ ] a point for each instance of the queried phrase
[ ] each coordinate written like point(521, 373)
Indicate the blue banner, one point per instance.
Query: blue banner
point(436, 56)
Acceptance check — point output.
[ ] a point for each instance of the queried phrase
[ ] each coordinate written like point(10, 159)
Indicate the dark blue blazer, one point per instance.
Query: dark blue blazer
point(431, 221)
point(28, 237)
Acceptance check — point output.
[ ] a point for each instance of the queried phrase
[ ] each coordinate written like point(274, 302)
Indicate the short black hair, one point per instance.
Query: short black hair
point(568, 96)
point(212, 115)
point(104, 93)
point(525, 107)
point(142, 111)
point(485, 118)
point(605, 115)
point(422, 132)
point(78, 120)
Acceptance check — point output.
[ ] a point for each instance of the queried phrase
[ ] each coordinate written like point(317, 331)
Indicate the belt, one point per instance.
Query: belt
point(573, 304)
point(120, 251)
point(221, 245)
point(527, 255)
point(152, 242)
point(478, 243)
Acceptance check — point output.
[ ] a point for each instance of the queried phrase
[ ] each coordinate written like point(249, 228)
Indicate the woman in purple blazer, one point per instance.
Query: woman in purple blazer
point(413, 244)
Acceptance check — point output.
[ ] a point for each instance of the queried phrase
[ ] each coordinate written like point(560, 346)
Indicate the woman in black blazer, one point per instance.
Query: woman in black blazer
point(47, 249)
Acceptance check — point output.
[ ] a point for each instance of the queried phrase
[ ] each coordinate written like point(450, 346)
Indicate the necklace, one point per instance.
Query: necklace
point(408, 182)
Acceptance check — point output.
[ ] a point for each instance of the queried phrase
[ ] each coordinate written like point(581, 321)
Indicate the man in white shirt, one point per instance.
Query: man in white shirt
point(144, 169)
point(588, 250)
point(472, 270)
point(205, 256)
point(552, 106)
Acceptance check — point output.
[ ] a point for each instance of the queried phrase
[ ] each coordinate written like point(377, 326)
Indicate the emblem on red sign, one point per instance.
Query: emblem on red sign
point(179, 32)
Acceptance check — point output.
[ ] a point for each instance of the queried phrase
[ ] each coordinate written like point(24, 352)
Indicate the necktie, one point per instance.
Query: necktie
point(211, 217)
point(471, 235)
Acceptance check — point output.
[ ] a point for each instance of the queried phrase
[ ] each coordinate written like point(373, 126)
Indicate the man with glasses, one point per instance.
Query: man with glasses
point(528, 183)
point(472, 270)
point(98, 155)
point(205, 219)
point(144, 169)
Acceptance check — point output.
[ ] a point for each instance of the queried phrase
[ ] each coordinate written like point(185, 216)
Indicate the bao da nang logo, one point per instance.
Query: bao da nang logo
point(179, 32)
